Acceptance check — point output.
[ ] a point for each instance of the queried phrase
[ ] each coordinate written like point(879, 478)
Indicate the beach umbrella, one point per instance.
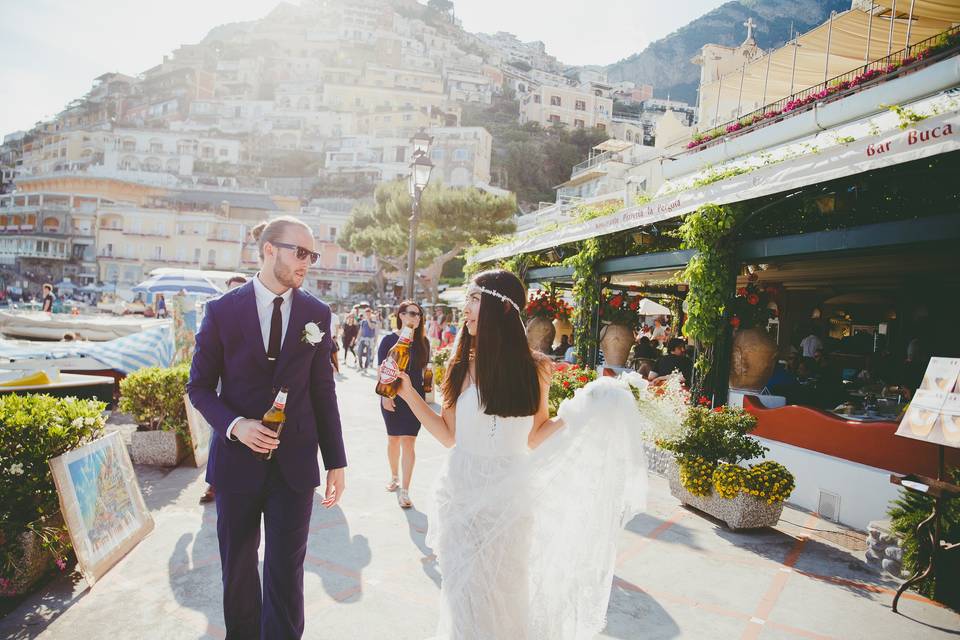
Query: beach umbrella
point(65, 285)
point(192, 285)
point(650, 308)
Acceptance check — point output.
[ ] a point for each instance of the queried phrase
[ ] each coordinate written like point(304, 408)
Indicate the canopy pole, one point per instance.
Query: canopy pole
point(743, 72)
point(893, 18)
point(793, 69)
point(906, 45)
point(826, 62)
point(866, 54)
point(766, 77)
point(716, 115)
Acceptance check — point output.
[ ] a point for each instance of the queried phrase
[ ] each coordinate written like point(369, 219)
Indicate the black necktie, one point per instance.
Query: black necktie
point(276, 328)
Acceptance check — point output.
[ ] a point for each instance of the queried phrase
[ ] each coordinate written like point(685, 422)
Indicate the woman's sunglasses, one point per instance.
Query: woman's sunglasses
point(302, 253)
point(410, 313)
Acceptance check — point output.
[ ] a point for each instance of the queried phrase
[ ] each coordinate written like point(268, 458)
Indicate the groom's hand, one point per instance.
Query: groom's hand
point(256, 436)
point(335, 486)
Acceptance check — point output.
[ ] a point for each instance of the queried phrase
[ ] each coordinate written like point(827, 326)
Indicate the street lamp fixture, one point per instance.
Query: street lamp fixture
point(420, 170)
point(421, 142)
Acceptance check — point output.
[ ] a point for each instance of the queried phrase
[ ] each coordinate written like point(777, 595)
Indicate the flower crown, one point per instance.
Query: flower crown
point(497, 294)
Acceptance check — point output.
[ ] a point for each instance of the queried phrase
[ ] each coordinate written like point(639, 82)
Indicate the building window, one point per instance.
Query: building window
point(401, 154)
point(601, 126)
point(581, 105)
point(555, 118)
point(224, 153)
point(536, 99)
point(212, 256)
point(343, 260)
point(196, 255)
point(158, 253)
point(461, 154)
point(578, 124)
point(436, 154)
point(333, 234)
point(555, 101)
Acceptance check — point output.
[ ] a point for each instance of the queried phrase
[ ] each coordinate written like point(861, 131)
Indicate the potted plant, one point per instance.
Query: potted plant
point(540, 311)
point(618, 314)
point(706, 473)
point(561, 322)
point(34, 429)
point(754, 350)
point(567, 378)
point(154, 396)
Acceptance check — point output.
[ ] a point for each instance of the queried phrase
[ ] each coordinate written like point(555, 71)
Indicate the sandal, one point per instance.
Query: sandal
point(394, 484)
point(403, 499)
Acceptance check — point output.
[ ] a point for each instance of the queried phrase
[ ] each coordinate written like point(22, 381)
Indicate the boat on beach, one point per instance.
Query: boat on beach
point(39, 325)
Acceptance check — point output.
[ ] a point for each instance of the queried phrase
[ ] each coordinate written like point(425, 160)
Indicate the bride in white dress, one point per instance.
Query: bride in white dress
point(527, 508)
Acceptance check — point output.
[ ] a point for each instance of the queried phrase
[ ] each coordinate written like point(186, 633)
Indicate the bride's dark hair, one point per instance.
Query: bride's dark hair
point(508, 372)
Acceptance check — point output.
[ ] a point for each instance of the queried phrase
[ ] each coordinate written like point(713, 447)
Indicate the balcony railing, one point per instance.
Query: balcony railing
point(591, 162)
point(899, 63)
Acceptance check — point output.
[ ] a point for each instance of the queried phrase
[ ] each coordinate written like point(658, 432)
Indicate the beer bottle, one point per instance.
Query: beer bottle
point(274, 418)
point(428, 379)
point(395, 362)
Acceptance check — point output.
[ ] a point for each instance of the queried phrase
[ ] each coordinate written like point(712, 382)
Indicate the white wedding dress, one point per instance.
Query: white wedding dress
point(526, 541)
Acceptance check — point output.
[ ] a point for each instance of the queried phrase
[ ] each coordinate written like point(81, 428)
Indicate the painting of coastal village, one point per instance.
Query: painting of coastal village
point(101, 502)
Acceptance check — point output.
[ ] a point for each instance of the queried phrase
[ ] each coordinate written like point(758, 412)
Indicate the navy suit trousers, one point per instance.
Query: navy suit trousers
point(276, 612)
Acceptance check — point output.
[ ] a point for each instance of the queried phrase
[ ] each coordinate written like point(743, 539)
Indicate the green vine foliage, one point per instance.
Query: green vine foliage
point(586, 292)
point(711, 274)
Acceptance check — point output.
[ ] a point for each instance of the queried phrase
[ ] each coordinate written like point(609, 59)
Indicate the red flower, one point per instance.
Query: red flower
point(583, 378)
point(718, 409)
point(574, 366)
point(616, 301)
point(566, 384)
point(742, 292)
point(704, 401)
point(734, 322)
point(753, 298)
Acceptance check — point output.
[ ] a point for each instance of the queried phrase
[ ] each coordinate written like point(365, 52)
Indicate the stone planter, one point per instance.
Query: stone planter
point(616, 341)
point(563, 328)
point(752, 359)
point(540, 334)
point(30, 561)
point(158, 448)
point(742, 512)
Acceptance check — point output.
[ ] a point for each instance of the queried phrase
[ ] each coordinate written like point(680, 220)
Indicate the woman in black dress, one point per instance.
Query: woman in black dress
point(349, 337)
point(402, 425)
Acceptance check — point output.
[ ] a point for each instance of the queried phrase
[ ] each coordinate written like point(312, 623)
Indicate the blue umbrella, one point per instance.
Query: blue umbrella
point(173, 283)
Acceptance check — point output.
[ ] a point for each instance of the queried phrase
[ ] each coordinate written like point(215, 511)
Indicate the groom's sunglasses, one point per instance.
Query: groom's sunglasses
point(302, 253)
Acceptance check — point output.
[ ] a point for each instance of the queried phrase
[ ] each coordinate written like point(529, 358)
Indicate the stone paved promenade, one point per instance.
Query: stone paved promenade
point(369, 574)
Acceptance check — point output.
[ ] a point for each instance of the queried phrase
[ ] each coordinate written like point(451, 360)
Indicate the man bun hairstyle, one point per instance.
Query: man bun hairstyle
point(273, 229)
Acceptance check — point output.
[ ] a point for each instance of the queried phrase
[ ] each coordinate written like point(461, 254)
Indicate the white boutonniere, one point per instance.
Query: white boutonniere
point(312, 334)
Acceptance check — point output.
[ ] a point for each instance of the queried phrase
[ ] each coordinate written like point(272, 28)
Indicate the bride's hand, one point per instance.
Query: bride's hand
point(406, 387)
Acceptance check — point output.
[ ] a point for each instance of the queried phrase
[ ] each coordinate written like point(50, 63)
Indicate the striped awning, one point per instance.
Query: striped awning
point(149, 348)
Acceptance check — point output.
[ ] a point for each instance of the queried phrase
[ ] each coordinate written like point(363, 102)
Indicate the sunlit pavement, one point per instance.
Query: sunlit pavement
point(369, 573)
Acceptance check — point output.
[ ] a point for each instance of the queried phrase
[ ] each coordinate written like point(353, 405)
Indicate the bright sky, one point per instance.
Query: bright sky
point(52, 50)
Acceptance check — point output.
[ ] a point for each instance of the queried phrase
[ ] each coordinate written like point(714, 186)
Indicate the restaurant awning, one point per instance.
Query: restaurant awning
point(862, 145)
point(853, 38)
point(586, 176)
point(945, 10)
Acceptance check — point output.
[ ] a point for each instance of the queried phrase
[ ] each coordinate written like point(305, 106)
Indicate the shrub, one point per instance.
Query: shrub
point(908, 511)
point(34, 429)
point(565, 382)
point(154, 396)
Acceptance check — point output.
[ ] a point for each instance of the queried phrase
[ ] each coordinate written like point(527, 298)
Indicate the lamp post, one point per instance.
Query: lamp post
point(419, 177)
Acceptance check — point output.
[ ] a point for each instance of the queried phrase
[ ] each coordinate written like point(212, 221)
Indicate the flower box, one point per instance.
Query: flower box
point(158, 448)
point(742, 512)
point(31, 561)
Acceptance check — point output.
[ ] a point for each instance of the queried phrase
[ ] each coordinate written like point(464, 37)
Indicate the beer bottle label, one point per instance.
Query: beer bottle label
point(389, 371)
point(281, 400)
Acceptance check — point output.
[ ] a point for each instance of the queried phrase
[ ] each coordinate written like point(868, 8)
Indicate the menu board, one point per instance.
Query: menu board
point(934, 412)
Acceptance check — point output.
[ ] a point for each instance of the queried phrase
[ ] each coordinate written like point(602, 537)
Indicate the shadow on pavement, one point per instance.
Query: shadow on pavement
point(193, 567)
point(30, 615)
point(645, 524)
point(334, 555)
point(417, 522)
point(633, 613)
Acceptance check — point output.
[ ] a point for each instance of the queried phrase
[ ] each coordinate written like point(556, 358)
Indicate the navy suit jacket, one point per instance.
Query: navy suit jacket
point(229, 350)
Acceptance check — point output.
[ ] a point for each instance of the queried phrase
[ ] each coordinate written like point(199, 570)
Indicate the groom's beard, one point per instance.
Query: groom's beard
point(287, 276)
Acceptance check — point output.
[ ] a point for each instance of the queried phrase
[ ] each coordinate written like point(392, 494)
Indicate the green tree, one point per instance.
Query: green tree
point(450, 219)
point(443, 6)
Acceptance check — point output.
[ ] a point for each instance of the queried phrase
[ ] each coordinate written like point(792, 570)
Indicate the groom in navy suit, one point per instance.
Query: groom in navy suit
point(254, 340)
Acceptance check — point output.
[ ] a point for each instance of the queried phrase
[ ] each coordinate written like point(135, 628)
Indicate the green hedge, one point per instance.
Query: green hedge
point(34, 429)
point(154, 397)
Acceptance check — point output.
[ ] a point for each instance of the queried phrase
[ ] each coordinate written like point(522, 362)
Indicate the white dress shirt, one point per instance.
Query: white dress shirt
point(265, 299)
